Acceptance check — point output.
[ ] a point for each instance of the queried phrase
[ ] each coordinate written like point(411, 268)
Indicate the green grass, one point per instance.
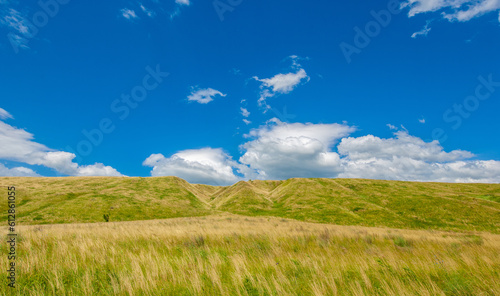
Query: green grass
point(410, 205)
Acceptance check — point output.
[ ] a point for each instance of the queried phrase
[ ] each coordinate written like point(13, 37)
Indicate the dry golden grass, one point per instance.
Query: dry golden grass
point(236, 255)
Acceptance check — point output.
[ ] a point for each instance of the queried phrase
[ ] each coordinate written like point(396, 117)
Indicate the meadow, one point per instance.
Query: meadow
point(164, 236)
point(237, 255)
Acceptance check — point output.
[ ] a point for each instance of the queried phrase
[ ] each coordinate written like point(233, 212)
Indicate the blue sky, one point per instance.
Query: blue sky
point(221, 91)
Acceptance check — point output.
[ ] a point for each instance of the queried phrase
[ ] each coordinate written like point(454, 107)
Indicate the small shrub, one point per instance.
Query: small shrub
point(401, 242)
point(199, 241)
point(106, 217)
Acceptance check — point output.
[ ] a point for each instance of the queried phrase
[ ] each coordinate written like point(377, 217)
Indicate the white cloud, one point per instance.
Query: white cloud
point(474, 9)
point(204, 96)
point(18, 145)
point(246, 121)
point(153, 8)
point(206, 166)
point(403, 145)
point(281, 83)
point(63, 163)
point(177, 9)
point(281, 151)
point(391, 127)
point(17, 22)
point(244, 112)
point(422, 120)
point(425, 30)
point(408, 169)
point(18, 41)
point(148, 12)
point(128, 13)
point(5, 115)
point(183, 2)
point(97, 169)
point(406, 157)
point(284, 83)
point(16, 172)
point(453, 10)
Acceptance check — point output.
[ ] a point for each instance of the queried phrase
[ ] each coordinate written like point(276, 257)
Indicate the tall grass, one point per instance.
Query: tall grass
point(237, 255)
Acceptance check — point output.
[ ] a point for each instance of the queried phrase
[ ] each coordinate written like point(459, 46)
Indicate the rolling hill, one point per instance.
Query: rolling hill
point(410, 205)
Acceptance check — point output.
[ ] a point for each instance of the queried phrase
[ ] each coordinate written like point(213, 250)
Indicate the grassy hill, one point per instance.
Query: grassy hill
point(411, 205)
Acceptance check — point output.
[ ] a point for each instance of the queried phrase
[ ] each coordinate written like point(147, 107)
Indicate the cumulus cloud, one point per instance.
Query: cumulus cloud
point(206, 166)
point(16, 172)
point(409, 169)
point(97, 169)
point(409, 158)
point(281, 83)
point(403, 145)
point(280, 151)
point(453, 10)
point(19, 145)
point(128, 13)
point(204, 96)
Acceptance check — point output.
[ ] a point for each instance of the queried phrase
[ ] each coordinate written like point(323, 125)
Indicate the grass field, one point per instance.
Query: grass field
point(409, 205)
point(237, 255)
point(294, 237)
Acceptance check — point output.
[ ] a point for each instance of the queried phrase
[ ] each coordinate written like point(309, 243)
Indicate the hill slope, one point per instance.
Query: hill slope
point(396, 204)
point(87, 199)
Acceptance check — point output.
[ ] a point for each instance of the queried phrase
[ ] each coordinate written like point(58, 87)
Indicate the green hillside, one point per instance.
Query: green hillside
point(71, 200)
point(394, 204)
